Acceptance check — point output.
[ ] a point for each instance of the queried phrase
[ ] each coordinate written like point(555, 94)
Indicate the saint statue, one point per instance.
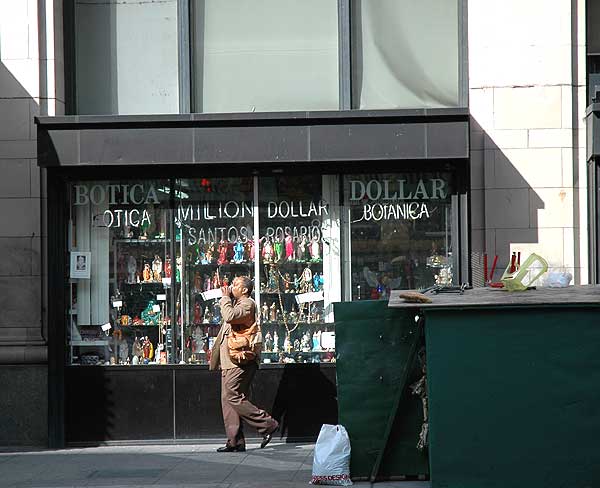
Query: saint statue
point(267, 251)
point(238, 252)
point(315, 249)
point(147, 273)
point(157, 268)
point(131, 268)
point(289, 246)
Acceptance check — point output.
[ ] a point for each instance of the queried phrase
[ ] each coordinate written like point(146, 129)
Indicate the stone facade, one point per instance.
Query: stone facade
point(30, 39)
point(527, 101)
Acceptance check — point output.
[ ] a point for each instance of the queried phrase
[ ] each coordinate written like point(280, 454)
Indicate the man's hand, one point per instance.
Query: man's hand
point(226, 291)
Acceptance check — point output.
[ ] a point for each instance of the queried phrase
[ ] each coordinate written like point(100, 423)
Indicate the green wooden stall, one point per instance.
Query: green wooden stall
point(376, 351)
point(514, 387)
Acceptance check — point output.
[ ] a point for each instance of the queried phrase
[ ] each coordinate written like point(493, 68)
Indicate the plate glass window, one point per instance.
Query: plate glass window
point(405, 54)
point(118, 309)
point(271, 55)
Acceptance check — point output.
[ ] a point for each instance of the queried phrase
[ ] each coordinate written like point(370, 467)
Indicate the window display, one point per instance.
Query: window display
point(399, 232)
point(215, 220)
point(293, 211)
point(119, 312)
point(148, 258)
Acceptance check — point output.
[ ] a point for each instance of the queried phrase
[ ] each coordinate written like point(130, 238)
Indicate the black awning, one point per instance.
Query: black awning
point(342, 136)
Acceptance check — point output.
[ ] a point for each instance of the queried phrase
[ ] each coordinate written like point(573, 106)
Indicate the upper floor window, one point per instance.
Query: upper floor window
point(214, 56)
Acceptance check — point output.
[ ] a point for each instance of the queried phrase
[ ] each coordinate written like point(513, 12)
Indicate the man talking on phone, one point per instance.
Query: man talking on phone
point(237, 351)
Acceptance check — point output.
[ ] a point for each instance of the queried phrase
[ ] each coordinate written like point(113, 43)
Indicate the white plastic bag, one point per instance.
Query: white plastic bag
point(558, 279)
point(331, 462)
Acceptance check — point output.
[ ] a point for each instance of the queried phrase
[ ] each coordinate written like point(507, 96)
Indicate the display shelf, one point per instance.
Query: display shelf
point(89, 343)
point(142, 241)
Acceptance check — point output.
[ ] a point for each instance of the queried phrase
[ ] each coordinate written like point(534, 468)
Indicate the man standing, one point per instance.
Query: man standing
point(239, 314)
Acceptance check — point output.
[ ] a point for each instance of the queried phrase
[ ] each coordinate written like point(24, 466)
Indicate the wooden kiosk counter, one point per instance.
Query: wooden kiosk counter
point(513, 386)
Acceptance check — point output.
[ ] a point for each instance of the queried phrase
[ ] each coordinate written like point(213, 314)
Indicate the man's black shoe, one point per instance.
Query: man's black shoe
point(267, 437)
point(229, 448)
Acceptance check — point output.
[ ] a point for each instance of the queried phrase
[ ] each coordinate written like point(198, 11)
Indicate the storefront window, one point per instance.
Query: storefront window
point(401, 232)
point(215, 222)
point(295, 268)
point(148, 258)
point(121, 272)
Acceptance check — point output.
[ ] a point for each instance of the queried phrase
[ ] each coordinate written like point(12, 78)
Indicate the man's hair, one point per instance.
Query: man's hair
point(246, 282)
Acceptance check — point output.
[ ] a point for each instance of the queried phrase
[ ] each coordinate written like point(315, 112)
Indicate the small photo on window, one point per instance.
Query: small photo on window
point(80, 264)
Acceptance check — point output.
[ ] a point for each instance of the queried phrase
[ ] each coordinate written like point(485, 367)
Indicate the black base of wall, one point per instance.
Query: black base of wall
point(172, 403)
point(24, 406)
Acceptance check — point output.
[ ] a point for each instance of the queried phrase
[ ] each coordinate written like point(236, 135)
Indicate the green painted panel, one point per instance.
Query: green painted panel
point(514, 397)
point(372, 344)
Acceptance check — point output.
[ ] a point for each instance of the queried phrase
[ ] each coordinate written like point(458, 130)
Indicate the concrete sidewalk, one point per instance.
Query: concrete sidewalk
point(166, 466)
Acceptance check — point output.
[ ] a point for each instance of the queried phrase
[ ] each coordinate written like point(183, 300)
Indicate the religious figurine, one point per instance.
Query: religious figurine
point(131, 268)
point(287, 346)
point(318, 281)
point(148, 350)
point(216, 282)
point(296, 344)
point(289, 246)
point(208, 255)
point(287, 282)
point(316, 341)
point(216, 316)
point(207, 283)
point(222, 252)
point(273, 312)
point(301, 251)
point(268, 342)
point(264, 313)
point(147, 273)
point(275, 342)
point(305, 280)
point(267, 250)
point(157, 268)
point(200, 255)
point(272, 285)
point(305, 344)
point(278, 248)
point(168, 267)
point(250, 249)
point(136, 348)
point(161, 354)
point(197, 313)
point(315, 250)
point(295, 283)
point(238, 252)
point(149, 316)
point(197, 282)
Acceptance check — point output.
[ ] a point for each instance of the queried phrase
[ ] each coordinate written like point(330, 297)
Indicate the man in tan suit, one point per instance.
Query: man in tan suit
point(238, 309)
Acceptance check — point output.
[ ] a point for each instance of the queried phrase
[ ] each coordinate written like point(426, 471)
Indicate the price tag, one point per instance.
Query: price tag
point(166, 281)
point(106, 327)
point(210, 294)
point(156, 308)
point(161, 297)
point(117, 303)
point(328, 340)
point(313, 296)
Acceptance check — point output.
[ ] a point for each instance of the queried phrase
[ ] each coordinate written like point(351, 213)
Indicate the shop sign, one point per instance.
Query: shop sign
point(394, 199)
point(115, 195)
point(430, 189)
